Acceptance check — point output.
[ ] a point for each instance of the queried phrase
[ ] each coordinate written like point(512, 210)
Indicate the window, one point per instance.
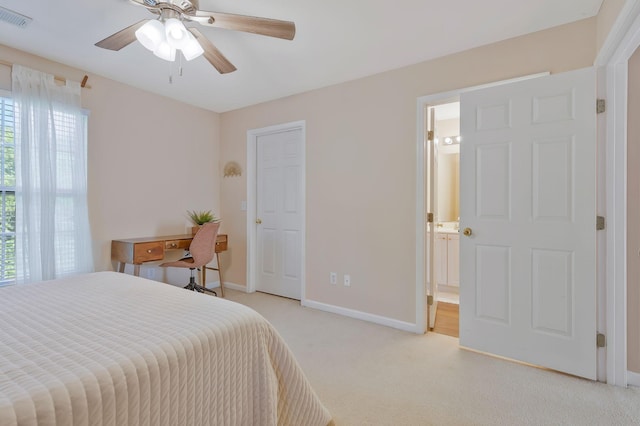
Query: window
point(69, 195)
point(7, 193)
point(66, 201)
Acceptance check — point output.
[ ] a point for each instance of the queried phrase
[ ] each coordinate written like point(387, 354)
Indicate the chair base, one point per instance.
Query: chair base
point(197, 287)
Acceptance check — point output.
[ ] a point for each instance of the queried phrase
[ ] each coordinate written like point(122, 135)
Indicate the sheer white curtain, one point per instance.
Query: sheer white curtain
point(52, 223)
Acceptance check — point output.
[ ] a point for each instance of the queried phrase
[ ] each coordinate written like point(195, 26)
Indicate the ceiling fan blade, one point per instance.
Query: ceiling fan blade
point(213, 55)
point(122, 38)
point(248, 24)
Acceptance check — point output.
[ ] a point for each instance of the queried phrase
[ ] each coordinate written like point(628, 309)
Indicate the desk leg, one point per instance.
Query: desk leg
point(136, 270)
point(217, 268)
point(121, 266)
point(220, 274)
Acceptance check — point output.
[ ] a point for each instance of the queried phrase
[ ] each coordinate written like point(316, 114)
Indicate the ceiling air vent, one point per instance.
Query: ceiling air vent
point(14, 18)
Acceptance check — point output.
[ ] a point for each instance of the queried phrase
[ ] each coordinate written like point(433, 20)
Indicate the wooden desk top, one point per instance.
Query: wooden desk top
point(161, 238)
point(145, 249)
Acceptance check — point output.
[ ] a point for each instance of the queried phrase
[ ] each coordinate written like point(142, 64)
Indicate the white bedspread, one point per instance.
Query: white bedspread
point(112, 349)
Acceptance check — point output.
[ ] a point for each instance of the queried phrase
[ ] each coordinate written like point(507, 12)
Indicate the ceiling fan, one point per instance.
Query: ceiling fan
point(167, 34)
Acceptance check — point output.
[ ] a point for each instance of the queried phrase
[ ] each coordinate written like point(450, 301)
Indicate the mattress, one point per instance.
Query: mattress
point(113, 349)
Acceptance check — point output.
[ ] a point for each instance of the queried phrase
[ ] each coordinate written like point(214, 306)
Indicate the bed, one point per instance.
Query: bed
point(113, 349)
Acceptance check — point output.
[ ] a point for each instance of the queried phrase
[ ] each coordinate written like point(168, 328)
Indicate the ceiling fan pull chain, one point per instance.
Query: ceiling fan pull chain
point(170, 73)
point(180, 64)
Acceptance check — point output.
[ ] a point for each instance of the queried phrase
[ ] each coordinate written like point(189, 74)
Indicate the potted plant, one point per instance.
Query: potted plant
point(198, 218)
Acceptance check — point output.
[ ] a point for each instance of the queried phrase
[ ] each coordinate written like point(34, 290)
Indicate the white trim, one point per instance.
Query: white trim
point(6, 93)
point(232, 286)
point(601, 237)
point(421, 211)
point(423, 102)
point(633, 379)
point(351, 313)
point(252, 152)
point(625, 20)
point(621, 43)
point(616, 189)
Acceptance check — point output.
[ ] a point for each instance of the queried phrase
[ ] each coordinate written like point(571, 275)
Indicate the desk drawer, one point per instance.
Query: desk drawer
point(176, 244)
point(145, 252)
point(221, 243)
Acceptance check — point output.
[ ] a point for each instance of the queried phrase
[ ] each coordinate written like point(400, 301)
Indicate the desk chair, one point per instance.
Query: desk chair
point(202, 250)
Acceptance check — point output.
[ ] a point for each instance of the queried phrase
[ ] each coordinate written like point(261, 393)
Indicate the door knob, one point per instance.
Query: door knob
point(467, 232)
point(258, 221)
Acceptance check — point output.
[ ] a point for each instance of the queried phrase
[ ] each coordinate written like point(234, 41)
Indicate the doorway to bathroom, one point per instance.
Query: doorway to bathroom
point(443, 222)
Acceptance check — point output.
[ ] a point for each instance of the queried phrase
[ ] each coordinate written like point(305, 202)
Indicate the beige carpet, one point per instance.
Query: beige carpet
point(373, 375)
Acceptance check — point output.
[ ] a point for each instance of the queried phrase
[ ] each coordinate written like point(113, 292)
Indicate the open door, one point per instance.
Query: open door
point(432, 220)
point(280, 210)
point(528, 199)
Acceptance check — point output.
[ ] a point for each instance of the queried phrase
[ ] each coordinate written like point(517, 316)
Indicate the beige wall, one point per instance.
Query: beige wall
point(361, 165)
point(607, 16)
point(145, 171)
point(149, 158)
point(633, 212)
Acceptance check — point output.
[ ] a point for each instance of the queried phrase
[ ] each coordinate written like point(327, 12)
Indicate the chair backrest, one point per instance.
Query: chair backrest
point(203, 245)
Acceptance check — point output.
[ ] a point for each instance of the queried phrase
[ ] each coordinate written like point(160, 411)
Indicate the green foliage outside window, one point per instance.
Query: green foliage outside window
point(7, 193)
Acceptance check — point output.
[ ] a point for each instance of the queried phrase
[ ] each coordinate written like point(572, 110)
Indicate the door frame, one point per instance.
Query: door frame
point(612, 64)
point(421, 175)
point(252, 193)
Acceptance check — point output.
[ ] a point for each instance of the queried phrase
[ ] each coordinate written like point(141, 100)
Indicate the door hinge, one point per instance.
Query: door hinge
point(599, 223)
point(430, 135)
point(430, 300)
point(601, 340)
point(601, 106)
point(429, 217)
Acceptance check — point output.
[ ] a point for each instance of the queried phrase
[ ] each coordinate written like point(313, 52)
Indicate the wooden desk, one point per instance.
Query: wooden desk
point(137, 251)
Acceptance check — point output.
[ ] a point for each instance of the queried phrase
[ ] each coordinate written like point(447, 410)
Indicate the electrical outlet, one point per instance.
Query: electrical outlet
point(333, 278)
point(347, 280)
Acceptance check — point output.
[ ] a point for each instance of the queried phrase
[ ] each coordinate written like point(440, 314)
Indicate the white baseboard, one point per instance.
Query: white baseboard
point(633, 379)
point(351, 313)
point(216, 284)
point(377, 319)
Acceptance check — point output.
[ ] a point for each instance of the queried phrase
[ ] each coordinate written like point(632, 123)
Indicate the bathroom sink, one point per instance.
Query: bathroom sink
point(449, 227)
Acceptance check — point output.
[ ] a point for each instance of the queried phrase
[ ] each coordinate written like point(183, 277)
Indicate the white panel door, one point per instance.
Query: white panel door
point(528, 278)
point(279, 213)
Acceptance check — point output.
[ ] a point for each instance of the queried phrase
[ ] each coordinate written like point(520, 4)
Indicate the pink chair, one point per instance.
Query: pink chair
point(202, 250)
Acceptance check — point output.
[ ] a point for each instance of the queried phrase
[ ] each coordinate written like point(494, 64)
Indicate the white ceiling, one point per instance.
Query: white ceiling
point(336, 41)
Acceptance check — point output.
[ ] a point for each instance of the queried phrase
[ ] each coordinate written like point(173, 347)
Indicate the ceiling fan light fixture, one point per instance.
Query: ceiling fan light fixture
point(176, 33)
point(167, 34)
point(192, 48)
point(165, 51)
point(151, 34)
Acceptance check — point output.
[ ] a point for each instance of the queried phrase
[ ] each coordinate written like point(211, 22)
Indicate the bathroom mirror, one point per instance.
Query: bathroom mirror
point(448, 183)
point(447, 137)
